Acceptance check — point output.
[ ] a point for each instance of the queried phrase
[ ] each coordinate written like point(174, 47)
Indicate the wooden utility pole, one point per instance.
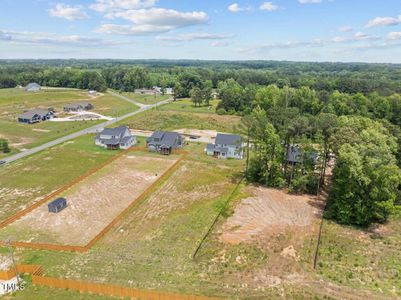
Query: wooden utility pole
point(10, 248)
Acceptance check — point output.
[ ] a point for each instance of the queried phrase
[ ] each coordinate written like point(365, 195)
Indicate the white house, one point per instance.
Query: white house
point(115, 138)
point(226, 146)
point(33, 87)
point(168, 91)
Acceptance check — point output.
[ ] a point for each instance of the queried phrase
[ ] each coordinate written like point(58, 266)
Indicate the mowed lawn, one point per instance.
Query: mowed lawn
point(188, 105)
point(24, 136)
point(171, 120)
point(29, 179)
point(146, 99)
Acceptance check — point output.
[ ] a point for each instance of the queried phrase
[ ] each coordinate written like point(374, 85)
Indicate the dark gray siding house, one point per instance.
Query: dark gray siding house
point(75, 107)
point(35, 116)
point(115, 138)
point(295, 155)
point(57, 205)
point(164, 142)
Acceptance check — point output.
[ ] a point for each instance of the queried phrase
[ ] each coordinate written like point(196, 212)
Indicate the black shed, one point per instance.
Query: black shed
point(57, 205)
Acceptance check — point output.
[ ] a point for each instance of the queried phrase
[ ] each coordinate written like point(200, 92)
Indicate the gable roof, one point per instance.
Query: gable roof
point(57, 202)
point(77, 105)
point(31, 113)
point(33, 85)
point(228, 139)
point(117, 131)
point(166, 138)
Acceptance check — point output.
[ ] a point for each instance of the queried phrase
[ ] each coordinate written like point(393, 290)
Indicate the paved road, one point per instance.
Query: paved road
point(93, 129)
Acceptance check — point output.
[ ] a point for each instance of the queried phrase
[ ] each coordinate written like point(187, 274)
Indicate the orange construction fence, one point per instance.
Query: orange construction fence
point(98, 288)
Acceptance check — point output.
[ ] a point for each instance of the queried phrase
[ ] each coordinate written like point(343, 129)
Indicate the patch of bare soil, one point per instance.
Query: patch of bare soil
point(5, 262)
point(10, 198)
point(40, 130)
point(93, 203)
point(21, 141)
point(270, 211)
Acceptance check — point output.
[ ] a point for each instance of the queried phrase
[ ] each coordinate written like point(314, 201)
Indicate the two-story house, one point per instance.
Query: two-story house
point(164, 142)
point(115, 138)
point(226, 146)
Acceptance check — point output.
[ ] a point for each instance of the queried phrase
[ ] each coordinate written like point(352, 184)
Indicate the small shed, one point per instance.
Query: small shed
point(57, 205)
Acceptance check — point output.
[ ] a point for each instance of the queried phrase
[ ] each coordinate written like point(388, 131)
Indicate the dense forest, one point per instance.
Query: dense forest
point(348, 115)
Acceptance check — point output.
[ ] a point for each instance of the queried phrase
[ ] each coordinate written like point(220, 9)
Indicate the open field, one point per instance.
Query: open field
point(26, 181)
point(92, 204)
point(188, 105)
point(362, 259)
point(152, 246)
point(146, 99)
point(24, 136)
point(171, 120)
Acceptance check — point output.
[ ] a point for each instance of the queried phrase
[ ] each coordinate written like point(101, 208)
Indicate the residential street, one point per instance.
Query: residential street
point(96, 128)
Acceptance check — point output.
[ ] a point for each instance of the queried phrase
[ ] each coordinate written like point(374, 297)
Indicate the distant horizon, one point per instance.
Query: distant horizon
point(200, 60)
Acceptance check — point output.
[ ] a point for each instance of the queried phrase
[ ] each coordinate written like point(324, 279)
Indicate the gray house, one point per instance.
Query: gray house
point(81, 106)
point(33, 87)
point(295, 155)
point(226, 146)
point(164, 142)
point(35, 116)
point(115, 138)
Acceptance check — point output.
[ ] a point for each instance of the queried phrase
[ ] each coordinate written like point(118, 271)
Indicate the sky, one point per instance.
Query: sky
point(294, 30)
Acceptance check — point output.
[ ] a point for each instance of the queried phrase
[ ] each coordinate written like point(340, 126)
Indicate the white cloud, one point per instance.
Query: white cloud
point(219, 44)
point(359, 36)
point(384, 21)
point(68, 12)
point(268, 6)
point(236, 8)
point(345, 29)
point(154, 20)
point(309, 1)
point(40, 38)
point(195, 36)
point(394, 35)
point(110, 6)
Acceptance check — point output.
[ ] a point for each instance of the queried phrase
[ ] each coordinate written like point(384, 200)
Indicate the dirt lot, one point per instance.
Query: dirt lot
point(93, 203)
point(270, 211)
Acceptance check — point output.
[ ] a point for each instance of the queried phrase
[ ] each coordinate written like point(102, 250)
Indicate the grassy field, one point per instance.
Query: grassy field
point(24, 136)
point(187, 105)
point(171, 120)
point(152, 247)
point(362, 259)
point(27, 180)
point(146, 99)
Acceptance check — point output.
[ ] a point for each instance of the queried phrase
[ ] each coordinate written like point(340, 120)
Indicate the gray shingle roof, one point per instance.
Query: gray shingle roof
point(165, 138)
point(228, 139)
point(31, 113)
point(77, 105)
point(33, 85)
point(210, 147)
point(117, 131)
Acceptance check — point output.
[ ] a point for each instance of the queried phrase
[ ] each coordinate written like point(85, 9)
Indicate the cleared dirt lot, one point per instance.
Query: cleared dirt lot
point(93, 203)
point(270, 211)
